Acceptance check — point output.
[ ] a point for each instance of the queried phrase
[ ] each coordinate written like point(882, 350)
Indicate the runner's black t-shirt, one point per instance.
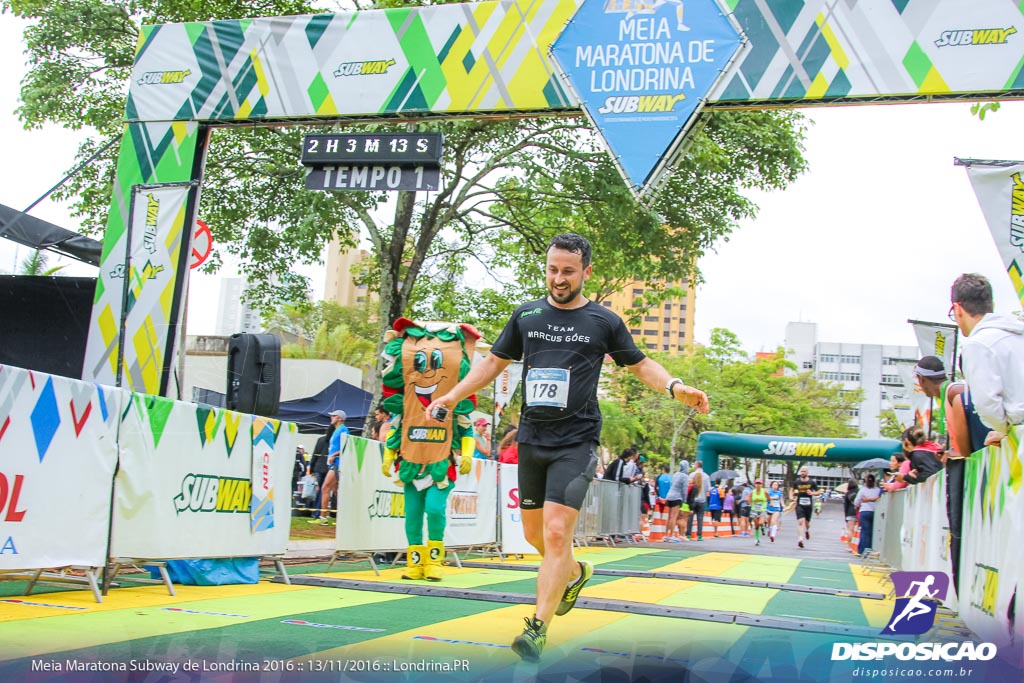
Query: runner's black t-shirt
point(804, 490)
point(562, 352)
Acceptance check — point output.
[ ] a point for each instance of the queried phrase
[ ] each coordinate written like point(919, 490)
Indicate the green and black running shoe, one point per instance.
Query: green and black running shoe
point(572, 592)
point(530, 643)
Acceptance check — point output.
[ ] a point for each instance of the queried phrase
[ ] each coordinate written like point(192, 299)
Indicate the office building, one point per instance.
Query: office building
point(234, 315)
point(667, 328)
point(869, 367)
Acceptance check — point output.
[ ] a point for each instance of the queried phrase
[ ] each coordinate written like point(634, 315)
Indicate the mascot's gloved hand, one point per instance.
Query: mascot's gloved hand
point(468, 448)
point(388, 466)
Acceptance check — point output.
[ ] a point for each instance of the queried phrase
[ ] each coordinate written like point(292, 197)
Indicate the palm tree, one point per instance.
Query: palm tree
point(35, 264)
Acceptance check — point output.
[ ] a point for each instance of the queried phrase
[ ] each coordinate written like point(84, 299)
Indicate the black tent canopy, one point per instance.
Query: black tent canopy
point(312, 413)
point(34, 232)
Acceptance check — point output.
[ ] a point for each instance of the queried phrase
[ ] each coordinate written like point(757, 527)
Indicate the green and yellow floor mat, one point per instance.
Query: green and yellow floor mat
point(632, 618)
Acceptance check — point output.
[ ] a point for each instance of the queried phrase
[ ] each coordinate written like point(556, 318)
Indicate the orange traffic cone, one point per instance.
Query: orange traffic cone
point(658, 525)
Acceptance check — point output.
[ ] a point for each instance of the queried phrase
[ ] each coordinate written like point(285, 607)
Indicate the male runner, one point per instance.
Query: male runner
point(803, 493)
point(562, 340)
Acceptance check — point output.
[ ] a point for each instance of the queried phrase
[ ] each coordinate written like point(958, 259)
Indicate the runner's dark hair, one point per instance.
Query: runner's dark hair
point(570, 241)
point(973, 292)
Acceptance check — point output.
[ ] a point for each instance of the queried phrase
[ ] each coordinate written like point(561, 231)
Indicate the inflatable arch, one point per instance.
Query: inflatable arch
point(710, 445)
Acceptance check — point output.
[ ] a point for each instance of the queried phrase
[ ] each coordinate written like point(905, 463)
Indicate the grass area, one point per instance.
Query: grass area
point(304, 529)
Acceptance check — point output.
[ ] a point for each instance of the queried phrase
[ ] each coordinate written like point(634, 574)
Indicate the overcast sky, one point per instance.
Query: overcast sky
point(873, 234)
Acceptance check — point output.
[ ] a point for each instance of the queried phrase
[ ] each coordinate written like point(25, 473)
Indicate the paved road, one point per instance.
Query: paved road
point(824, 544)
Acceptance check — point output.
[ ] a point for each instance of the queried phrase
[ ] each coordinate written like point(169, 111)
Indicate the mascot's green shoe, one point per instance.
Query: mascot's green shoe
point(414, 562)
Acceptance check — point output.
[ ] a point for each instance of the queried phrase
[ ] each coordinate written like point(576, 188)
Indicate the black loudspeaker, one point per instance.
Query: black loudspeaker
point(53, 342)
point(254, 374)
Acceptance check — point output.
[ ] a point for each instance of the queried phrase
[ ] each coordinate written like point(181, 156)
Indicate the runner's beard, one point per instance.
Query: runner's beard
point(562, 296)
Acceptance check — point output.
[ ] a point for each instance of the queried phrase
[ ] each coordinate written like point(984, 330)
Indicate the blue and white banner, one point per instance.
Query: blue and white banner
point(641, 70)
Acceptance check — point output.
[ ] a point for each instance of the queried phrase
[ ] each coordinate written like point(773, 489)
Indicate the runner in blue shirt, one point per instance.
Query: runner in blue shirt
point(715, 506)
point(330, 485)
point(663, 483)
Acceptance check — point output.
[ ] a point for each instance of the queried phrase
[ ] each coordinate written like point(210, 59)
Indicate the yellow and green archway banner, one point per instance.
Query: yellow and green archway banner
point(495, 58)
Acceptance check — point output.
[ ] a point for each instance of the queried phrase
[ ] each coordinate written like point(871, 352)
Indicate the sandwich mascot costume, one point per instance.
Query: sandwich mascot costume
point(421, 361)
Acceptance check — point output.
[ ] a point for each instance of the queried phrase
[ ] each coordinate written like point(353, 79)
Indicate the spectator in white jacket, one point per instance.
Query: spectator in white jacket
point(993, 353)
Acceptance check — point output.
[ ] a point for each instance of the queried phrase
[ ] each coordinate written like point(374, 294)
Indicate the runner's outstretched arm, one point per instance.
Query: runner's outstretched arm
point(653, 374)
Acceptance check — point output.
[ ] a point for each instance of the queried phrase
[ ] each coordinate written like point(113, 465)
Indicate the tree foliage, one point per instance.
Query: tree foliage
point(328, 331)
point(890, 425)
point(36, 264)
point(747, 396)
point(507, 186)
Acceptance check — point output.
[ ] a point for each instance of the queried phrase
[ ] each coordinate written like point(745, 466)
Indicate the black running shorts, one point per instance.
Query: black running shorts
point(559, 474)
point(804, 512)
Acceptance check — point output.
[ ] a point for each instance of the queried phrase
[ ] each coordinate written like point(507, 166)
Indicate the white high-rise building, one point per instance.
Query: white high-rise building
point(234, 315)
point(869, 367)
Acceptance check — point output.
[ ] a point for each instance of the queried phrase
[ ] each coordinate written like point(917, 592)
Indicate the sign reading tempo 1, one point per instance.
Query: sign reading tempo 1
point(373, 161)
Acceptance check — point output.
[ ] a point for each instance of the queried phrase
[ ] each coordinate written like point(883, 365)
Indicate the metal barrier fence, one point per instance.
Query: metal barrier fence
point(888, 529)
point(588, 524)
point(611, 508)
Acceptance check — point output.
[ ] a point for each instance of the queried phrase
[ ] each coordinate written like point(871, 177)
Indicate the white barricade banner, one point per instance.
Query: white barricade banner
point(189, 485)
point(371, 508)
point(925, 530)
point(58, 450)
point(513, 541)
point(473, 506)
point(992, 551)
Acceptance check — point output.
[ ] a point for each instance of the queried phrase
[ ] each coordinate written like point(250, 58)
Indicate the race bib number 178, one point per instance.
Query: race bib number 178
point(547, 387)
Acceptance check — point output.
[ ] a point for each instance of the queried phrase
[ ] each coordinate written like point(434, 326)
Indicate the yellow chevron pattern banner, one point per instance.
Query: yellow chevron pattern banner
point(999, 186)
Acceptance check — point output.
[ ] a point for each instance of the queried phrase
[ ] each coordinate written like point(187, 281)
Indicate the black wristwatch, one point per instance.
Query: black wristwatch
point(671, 386)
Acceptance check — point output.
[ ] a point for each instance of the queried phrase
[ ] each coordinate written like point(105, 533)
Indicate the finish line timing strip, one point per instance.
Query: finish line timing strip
point(625, 606)
point(632, 573)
